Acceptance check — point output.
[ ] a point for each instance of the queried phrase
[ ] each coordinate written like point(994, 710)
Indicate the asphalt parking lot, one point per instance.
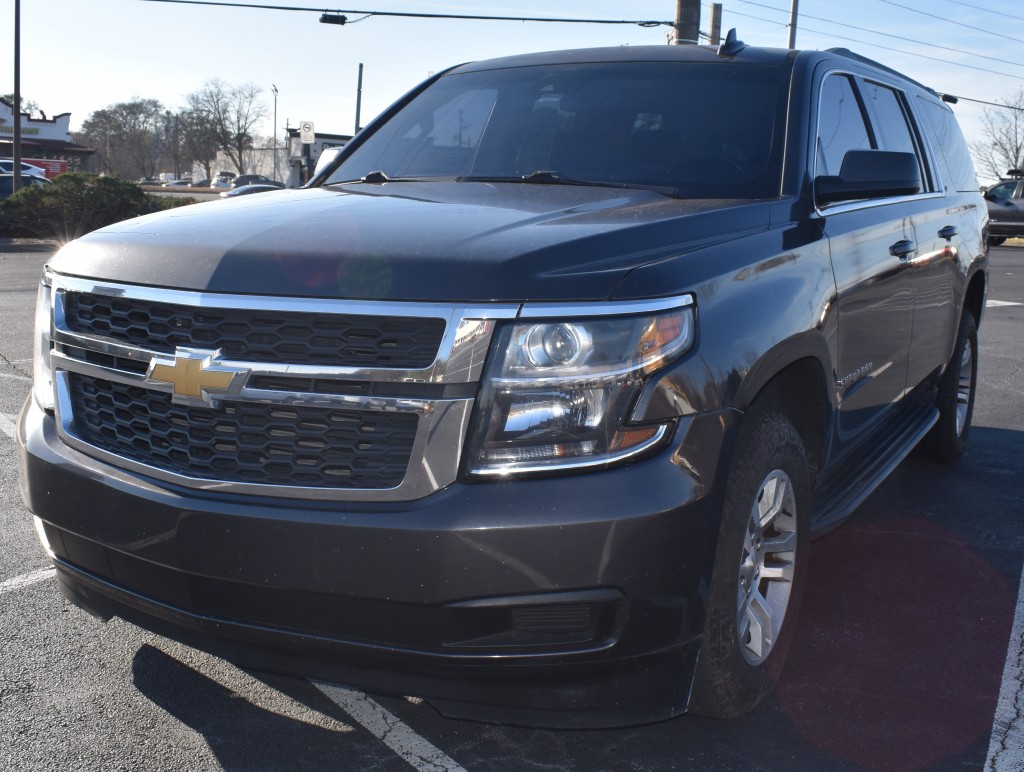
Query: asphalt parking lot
point(908, 654)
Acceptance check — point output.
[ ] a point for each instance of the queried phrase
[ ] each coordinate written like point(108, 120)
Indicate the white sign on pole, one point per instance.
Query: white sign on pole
point(306, 132)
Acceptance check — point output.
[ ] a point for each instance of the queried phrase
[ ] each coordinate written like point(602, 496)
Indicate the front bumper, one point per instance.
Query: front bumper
point(563, 602)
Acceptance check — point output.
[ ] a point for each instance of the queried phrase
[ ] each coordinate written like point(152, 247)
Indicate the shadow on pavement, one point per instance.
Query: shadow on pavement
point(245, 736)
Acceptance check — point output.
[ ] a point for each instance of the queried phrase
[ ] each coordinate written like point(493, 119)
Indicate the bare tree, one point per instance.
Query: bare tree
point(172, 142)
point(1001, 147)
point(199, 139)
point(126, 136)
point(27, 105)
point(233, 112)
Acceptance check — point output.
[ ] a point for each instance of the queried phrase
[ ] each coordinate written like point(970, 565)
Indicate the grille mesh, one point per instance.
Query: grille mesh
point(245, 442)
point(295, 337)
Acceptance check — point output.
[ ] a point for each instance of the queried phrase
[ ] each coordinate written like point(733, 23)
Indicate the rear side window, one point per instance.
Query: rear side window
point(948, 140)
point(841, 125)
point(890, 120)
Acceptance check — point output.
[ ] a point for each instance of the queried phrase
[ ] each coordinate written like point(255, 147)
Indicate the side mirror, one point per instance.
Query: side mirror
point(871, 174)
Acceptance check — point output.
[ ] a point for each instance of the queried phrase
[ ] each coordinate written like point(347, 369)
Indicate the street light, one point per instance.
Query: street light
point(274, 89)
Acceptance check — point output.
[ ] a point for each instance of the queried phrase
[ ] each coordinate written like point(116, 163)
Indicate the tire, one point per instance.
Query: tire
point(956, 395)
point(995, 241)
point(759, 571)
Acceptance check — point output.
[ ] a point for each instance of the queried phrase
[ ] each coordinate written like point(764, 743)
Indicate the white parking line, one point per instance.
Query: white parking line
point(25, 580)
point(14, 377)
point(7, 424)
point(1006, 748)
point(390, 730)
point(998, 303)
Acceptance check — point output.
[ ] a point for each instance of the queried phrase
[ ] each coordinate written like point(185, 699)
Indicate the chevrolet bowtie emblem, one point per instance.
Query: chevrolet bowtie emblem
point(195, 375)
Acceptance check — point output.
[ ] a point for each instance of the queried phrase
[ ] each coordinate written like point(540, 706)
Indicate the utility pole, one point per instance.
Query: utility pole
point(687, 24)
point(16, 155)
point(359, 96)
point(792, 23)
point(716, 24)
point(274, 89)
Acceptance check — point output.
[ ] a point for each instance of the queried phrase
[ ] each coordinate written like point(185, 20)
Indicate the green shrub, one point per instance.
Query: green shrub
point(76, 204)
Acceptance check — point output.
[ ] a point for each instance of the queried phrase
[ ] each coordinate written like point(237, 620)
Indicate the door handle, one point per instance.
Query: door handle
point(948, 232)
point(903, 249)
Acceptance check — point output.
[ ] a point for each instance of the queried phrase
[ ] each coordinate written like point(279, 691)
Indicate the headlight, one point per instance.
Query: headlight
point(42, 381)
point(559, 392)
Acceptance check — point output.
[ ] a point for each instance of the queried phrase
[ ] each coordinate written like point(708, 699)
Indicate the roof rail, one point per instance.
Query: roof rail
point(878, 65)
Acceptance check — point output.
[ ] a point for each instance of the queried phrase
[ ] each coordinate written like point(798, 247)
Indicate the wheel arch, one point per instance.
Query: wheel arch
point(974, 298)
point(799, 392)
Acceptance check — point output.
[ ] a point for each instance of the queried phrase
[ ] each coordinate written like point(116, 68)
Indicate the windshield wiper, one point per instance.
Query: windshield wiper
point(540, 177)
point(379, 176)
point(545, 177)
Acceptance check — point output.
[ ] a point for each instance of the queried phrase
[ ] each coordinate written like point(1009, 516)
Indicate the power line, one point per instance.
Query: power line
point(920, 56)
point(930, 44)
point(976, 7)
point(261, 6)
point(950, 21)
point(887, 48)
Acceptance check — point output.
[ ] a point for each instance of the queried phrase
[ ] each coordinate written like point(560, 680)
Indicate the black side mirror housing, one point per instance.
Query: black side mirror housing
point(870, 174)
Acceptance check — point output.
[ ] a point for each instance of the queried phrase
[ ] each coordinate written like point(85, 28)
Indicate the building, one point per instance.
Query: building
point(300, 165)
point(42, 139)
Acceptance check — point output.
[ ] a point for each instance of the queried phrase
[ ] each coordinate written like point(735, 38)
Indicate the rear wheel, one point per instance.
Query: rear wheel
point(995, 241)
point(956, 395)
point(759, 569)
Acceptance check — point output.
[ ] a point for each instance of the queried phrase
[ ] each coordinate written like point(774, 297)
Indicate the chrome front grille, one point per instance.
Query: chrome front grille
point(251, 334)
point(384, 419)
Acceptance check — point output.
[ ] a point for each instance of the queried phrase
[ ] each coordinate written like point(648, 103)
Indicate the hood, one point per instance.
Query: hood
point(414, 241)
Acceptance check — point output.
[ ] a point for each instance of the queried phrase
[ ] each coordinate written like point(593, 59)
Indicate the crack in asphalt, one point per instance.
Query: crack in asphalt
point(14, 366)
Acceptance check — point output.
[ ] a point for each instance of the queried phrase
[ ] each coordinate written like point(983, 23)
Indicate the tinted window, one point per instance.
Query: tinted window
point(954, 157)
point(841, 125)
point(891, 129)
point(1003, 190)
point(693, 129)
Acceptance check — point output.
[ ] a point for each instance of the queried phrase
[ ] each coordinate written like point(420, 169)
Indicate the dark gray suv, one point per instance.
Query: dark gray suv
point(1005, 202)
point(532, 401)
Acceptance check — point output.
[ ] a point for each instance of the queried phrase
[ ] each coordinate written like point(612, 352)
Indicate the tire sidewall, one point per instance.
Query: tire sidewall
point(726, 685)
point(949, 446)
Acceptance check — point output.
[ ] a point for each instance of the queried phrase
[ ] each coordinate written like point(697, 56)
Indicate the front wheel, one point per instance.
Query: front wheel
point(956, 395)
point(758, 576)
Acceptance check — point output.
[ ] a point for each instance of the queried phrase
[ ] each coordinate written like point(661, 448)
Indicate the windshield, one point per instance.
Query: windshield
point(707, 130)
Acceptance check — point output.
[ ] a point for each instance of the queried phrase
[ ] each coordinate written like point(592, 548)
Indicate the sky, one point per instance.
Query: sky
point(78, 56)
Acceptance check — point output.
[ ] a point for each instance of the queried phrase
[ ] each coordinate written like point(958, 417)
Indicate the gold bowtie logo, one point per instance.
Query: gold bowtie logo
point(196, 376)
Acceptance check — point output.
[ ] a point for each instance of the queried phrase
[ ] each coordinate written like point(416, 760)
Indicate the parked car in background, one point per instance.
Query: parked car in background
point(177, 184)
point(254, 179)
point(203, 183)
point(27, 180)
point(148, 182)
point(220, 183)
point(1005, 202)
point(7, 167)
point(245, 190)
